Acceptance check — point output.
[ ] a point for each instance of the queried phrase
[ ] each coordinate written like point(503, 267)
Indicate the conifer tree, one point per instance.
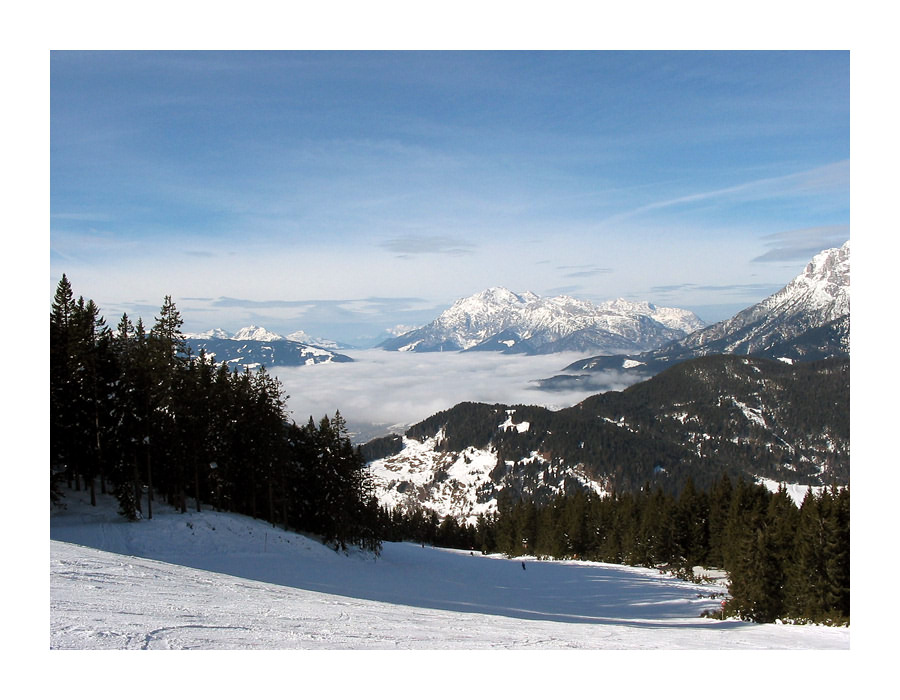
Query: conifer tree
point(719, 507)
point(139, 409)
point(62, 389)
point(756, 590)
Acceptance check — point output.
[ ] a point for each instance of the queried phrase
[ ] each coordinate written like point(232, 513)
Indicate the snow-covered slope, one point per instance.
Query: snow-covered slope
point(466, 483)
point(498, 319)
point(222, 581)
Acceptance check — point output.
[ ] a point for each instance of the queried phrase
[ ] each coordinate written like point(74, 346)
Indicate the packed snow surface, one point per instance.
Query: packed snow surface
point(222, 581)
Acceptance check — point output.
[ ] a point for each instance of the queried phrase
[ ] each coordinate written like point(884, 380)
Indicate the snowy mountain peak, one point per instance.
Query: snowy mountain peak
point(256, 333)
point(820, 294)
point(499, 319)
point(299, 337)
point(827, 277)
point(207, 335)
point(493, 296)
point(817, 297)
point(624, 306)
point(307, 339)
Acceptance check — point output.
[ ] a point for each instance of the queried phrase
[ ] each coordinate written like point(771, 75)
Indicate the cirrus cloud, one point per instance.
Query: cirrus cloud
point(408, 246)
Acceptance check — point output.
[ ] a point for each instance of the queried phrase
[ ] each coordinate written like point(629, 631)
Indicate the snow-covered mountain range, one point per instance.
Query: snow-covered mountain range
point(808, 319)
point(497, 319)
point(258, 333)
point(254, 346)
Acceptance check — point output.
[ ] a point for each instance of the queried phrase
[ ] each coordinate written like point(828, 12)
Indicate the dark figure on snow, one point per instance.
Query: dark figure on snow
point(523, 566)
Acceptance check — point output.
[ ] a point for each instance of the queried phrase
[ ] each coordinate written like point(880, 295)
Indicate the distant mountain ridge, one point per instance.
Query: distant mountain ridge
point(808, 319)
point(499, 320)
point(258, 333)
point(254, 346)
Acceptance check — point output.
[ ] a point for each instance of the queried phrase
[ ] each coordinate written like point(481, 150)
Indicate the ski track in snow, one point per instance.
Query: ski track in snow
point(222, 581)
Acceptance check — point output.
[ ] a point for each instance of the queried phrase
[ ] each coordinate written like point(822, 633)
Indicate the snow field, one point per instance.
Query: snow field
point(222, 581)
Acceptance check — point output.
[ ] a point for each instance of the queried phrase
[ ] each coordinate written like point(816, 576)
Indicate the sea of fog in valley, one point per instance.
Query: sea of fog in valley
point(383, 392)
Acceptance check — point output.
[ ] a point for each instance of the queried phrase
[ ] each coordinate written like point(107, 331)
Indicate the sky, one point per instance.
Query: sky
point(345, 193)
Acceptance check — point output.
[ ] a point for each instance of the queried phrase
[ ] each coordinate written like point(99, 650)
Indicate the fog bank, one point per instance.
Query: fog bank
point(383, 391)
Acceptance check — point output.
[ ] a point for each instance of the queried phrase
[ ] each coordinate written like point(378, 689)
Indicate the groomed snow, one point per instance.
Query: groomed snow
point(221, 581)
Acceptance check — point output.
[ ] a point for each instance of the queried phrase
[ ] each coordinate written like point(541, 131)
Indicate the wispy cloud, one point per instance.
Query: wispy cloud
point(228, 302)
point(80, 216)
point(91, 244)
point(763, 289)
point(363, 305)
point(409, 246)
point(802, 244)
point(583, 270)
point(827, 178)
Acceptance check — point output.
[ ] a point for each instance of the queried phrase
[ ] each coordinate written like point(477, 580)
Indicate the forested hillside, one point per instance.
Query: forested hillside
point(783, 561)
point(133, 412)
point(705, 417)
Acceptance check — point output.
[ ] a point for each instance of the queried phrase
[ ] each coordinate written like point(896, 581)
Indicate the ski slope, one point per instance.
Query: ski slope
point(223, 581)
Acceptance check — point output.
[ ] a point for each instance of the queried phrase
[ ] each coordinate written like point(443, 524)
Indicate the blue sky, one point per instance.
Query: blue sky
point(346, 192)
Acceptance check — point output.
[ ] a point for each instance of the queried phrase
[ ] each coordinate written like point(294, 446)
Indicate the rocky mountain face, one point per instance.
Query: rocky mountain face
point(808, 319)
point(254, 346)
point(501, 321)
point(820, 295)
point(747, 417)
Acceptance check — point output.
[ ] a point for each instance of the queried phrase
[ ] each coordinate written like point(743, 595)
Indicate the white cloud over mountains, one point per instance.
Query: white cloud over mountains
point(388, 389)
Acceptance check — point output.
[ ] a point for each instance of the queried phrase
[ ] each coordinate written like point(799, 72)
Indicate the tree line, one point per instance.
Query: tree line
point(783, 561)
point(134, 413)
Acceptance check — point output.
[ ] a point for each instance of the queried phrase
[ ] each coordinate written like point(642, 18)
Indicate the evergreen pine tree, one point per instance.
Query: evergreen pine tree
point(62, 389)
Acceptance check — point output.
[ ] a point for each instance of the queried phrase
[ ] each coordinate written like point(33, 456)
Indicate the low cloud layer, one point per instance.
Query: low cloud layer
point(384, 390)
